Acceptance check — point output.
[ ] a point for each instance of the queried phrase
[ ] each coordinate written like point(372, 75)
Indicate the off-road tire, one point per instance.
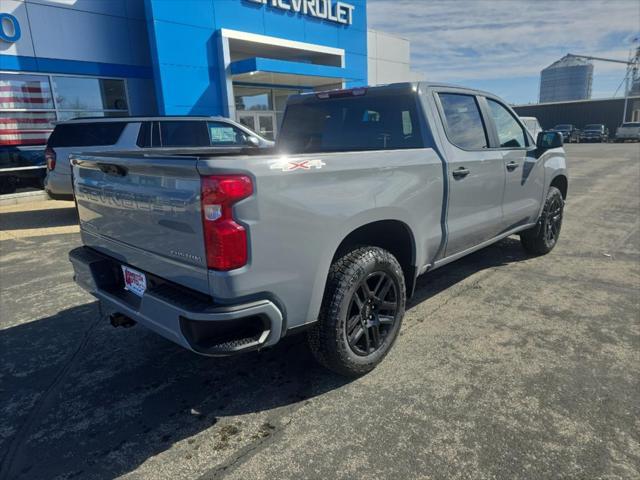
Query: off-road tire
point(542, 238)
point(328, 338)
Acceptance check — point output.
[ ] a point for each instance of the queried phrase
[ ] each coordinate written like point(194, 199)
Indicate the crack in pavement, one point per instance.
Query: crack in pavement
point(11, 458)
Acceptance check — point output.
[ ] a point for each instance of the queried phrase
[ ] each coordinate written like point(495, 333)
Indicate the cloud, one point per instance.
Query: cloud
point(462, 41)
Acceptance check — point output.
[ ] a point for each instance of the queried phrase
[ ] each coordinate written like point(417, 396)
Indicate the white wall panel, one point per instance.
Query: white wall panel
point(392, 48)
point(389, 59)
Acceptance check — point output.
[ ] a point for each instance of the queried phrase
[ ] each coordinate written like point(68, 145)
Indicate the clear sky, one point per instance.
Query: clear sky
point(501, 45)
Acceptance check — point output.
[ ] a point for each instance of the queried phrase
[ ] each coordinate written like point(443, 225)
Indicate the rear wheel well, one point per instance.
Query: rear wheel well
point(561, 183)
point(391, 235)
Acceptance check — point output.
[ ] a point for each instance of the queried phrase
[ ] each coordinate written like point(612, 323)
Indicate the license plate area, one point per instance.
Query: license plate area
point(134, 281)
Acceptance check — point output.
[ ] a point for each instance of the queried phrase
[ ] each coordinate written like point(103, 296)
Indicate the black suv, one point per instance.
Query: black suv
point(570, 134)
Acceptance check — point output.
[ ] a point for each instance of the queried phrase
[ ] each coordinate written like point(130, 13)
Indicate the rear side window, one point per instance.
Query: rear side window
point(465, 128)
point(184, 134)
point(224, 134)
point(86, 134)
point(510, 133)
point(351, 123)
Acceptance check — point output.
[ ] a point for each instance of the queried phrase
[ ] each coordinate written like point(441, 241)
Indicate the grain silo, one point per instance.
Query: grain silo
point(569, 78)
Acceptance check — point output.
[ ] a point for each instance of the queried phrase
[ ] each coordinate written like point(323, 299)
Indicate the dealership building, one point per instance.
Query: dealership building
point(61, 59)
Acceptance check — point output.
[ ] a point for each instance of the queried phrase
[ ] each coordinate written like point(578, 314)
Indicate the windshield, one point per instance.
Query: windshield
point(631, 124)
point(562, 127)
point(595, 126)
point(373, 121)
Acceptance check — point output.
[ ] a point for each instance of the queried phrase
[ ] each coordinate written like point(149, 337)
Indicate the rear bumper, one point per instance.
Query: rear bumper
point(183, 316)
point(58, 185)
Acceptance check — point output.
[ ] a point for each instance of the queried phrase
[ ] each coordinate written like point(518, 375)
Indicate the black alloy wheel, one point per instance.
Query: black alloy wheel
point(372, 313)
point(542, 238)
point(361, 313)
point(553, 220)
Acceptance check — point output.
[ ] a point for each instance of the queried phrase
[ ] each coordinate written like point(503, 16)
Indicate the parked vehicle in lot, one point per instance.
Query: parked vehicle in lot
point(532, 125)
point(139, 133)
point(368, 189)
point(628, 131)
point(595, 132)
point(570, 134)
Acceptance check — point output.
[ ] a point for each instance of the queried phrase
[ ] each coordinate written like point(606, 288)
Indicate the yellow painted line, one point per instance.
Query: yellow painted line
point(37, 232)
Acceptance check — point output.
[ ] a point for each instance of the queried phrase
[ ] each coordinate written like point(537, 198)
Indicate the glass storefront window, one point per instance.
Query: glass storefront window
point(25, 92)
point(249, 98)
point(250, 101)
point(76, 93)
point(71, 114)
point(31, 104)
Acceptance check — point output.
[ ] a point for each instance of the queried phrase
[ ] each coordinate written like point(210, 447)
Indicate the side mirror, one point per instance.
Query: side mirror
point(549, 139)
point(252, 141)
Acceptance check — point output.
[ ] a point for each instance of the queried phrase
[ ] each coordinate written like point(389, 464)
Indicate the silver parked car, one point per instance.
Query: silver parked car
point(628, 131)
point(532, 124)
point(139, 133)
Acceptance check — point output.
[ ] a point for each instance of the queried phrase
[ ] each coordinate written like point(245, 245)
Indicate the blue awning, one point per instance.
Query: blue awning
point(284, 72)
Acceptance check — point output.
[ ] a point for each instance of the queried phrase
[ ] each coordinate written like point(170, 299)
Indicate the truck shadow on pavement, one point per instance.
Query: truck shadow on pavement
point(82, 399)
point(52, 217)
point(502, 253)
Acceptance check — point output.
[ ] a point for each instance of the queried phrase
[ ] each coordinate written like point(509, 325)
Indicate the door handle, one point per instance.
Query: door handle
point(461, 172)
point(511, 166)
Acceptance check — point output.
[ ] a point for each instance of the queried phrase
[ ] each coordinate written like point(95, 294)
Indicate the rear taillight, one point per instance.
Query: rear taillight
point(225, 240)
point(50, 157)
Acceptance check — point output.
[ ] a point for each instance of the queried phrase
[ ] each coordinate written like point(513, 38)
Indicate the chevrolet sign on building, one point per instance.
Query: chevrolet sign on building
point(324, 9)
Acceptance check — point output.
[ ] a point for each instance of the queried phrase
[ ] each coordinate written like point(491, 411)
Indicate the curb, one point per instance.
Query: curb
point(23, 197)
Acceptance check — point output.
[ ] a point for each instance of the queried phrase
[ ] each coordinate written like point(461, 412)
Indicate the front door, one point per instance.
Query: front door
point(261, 122)
point(524, 183)
point(476, 175)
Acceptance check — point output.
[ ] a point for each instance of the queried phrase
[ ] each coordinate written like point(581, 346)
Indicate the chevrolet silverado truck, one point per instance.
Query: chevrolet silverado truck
point(367, 189)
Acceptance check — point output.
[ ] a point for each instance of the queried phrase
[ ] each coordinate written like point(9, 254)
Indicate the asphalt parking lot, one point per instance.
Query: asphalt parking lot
point(508, 366)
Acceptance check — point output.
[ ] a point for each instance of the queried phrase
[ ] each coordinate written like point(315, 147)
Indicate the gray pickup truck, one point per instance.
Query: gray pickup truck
point(368, 189)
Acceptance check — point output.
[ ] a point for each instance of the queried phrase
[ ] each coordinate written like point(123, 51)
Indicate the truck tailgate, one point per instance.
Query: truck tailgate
point(144, 212)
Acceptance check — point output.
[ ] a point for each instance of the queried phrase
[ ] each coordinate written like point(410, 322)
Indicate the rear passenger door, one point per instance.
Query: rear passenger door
point(524, 173)
point(476, 174)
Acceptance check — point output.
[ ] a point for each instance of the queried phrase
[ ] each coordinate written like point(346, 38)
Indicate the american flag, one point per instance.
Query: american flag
point(30, 127)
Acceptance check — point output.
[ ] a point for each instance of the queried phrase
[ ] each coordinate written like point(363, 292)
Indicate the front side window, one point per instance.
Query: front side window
point(184, 134)
point(465, 128)
point(510, 133)
point(224, 134)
